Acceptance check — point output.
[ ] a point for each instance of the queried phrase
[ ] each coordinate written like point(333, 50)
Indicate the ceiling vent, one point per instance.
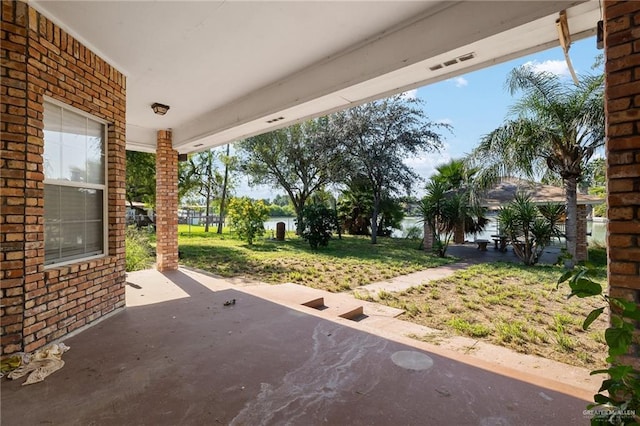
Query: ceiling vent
point(453, 61)
point(466, 57)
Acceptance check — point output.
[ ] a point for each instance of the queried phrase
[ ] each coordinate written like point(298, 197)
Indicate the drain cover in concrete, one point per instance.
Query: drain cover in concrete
point(412, 360)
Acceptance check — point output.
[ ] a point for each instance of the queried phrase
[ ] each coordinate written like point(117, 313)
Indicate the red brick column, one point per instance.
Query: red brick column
point(622, 107)
point(581, 237)
point(14, 149)
point(166, 202)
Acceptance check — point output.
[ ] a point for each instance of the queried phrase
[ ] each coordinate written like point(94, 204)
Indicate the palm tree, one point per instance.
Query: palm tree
point(457, 176)
point(527, 227)
point(442, 210)
point(555, 127)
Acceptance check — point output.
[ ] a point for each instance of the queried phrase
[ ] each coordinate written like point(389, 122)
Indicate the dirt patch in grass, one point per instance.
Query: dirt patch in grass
point(343, 265)
point(510, 305)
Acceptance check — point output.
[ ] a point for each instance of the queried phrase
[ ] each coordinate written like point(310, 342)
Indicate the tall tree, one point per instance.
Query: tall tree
point(298, 159)
point(378, 137)
point(457, 176)
point(555, 126)
point(230, 164)
point(207, 179)
point(141, 178)
point(441, 210)
point(355, 208)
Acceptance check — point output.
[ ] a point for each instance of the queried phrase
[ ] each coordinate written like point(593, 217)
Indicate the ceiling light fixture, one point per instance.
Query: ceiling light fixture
point(159, 109)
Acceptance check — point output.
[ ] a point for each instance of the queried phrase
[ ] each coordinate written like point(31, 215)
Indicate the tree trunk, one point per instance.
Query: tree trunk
point(299, 208)
point(336, 218)
point(299, 222)
point(224, 193)
point(374, 220)
point(570, 227)
point(428, 237)
point(209, 177)
point(458, 232)
point(206, 214)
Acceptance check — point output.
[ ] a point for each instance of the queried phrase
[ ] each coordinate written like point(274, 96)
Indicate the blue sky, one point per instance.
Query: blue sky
point(474, 104)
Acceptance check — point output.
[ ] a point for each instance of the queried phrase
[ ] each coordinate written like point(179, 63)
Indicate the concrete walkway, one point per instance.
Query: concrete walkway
point(469, 254)
point(405, 282)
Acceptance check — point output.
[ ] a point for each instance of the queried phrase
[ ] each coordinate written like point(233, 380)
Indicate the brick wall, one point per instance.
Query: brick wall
point(39, 59)
point(166, 202)
point(622, 104)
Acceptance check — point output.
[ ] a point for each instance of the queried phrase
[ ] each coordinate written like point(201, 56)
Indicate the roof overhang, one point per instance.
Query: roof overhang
point(230, 70)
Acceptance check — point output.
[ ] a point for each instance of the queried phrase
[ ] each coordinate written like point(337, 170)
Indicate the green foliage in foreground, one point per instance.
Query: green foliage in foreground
point(344, 264)
point(139, 253)
point(618, 399)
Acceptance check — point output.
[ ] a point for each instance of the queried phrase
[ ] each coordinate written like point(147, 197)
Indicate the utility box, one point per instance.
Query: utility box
point(280, 230)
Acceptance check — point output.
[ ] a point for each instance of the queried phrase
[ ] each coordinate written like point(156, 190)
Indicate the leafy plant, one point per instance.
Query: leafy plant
point(317, 223)
point(413, 232)
point(441, 210)
point(618, 399)
point(247, 217)
point(355, 209)
point(138, 250)
point(529, 231)
point(450, 208)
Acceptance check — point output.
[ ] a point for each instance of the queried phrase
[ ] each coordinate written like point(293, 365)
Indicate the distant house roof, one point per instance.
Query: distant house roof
point(506, 190)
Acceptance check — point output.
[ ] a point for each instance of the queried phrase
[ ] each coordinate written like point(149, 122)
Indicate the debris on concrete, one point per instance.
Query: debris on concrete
point(40, 364)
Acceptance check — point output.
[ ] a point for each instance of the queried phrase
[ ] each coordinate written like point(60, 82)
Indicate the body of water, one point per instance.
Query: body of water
point(597, 228)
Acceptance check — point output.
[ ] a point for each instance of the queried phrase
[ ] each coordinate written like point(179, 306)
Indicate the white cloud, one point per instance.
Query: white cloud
point(557, 67)
point(460, 81)
point(425, 166)
point(257, 192)
point(410, 94)
point(445, 120)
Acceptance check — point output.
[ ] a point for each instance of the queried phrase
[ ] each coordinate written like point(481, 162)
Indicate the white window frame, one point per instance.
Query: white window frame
point(104, 187)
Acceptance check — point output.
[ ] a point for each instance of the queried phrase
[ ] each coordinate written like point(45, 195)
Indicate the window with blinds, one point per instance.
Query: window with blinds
point(74, 185)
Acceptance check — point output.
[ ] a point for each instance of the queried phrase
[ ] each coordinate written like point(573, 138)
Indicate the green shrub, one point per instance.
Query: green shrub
point(138, 251)
point(413, 232)
point(247, 218)
point(618, 399)
point(317, 223)
point(526, 225)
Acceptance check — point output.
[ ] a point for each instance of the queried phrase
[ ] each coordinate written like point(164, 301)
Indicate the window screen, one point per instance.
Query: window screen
point(74, 191)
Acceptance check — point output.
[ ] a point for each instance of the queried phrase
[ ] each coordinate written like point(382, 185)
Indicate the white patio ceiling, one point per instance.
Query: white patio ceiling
point(229, 68)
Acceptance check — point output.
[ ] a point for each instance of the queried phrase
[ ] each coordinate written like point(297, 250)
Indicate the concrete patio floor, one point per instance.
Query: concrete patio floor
point(177, 356)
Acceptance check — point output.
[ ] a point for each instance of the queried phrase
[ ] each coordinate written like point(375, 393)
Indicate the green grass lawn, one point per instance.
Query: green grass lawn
point(343, 265)
point(510, 305)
